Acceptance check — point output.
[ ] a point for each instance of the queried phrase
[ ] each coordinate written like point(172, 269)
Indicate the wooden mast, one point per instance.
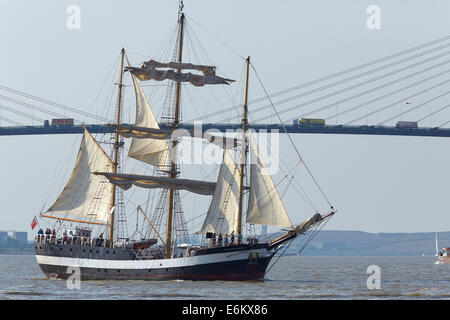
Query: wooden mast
point(173, 169)
point(116, 147)
point(244, 148)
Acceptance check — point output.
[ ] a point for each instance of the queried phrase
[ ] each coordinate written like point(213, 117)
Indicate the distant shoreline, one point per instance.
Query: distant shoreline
point(333, 243)
point(17, 251)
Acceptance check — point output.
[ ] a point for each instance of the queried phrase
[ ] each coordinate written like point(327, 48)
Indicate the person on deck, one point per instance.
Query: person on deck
point(213, 240)
point(40, 234)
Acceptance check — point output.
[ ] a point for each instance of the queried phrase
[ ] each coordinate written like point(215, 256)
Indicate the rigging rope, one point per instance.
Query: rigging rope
point(311, 236)
point(220, 41)
point(290, 138)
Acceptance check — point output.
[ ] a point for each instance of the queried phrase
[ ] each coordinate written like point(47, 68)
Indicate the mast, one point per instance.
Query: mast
point(437, 247)
point(116, 146)
point(173, 169)
point(244, 150)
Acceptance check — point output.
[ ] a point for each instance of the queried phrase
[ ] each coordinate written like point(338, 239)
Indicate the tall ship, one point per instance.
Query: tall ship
point(88, 216)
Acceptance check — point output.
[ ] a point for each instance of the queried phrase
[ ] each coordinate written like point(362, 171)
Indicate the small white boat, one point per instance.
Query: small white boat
point(442, 256)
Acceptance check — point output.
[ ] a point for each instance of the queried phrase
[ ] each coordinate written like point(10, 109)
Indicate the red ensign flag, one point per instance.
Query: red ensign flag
point(34, 223)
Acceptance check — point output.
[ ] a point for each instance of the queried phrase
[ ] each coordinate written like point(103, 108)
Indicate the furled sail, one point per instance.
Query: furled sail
point(131, 131)
point(126, 181)
point(222, 141)
point(179, 65)
point(149, 71)
point(264, 203)
point(222, 213)
point(153, 151)
point(86, 195)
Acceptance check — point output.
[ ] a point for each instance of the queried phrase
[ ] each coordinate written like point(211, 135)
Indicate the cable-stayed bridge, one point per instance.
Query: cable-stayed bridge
point(406, 94)
point(311, 129)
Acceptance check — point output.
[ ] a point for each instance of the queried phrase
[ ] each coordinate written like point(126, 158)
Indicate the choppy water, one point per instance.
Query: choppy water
point(292, 278)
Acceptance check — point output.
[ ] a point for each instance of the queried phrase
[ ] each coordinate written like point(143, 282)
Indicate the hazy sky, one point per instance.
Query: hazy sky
point(378, 184)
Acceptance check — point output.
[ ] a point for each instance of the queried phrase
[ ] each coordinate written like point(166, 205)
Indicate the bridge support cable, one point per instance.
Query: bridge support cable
point(415, 107)
point(397, 102)
point(355, 86)
point(48, 102)
point(2, 118)
point(32, 117)
point(445, 123)
point(392, 56)
point(384, 96)
point(433, 113)
point(33, 107)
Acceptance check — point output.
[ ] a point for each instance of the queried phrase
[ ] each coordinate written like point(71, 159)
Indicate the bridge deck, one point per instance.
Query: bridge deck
point(327, 129)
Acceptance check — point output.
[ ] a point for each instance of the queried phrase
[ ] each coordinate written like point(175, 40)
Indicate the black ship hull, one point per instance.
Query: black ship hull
point(243, 263)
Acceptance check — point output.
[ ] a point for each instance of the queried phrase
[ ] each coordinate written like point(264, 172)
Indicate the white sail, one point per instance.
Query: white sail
point(437, 246)
point(264, 203)
point(151, 151)
point(87, 195)
point(222, 213)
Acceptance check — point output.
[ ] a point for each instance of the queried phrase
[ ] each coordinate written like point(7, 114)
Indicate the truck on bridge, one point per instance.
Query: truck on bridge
point(62, 122)
point(407, 124)
point(309, 122)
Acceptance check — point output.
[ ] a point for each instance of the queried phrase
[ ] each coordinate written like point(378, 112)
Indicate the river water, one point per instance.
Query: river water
point(292, 277)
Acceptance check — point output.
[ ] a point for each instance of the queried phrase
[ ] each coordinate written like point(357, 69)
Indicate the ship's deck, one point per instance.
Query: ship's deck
point(87, 248)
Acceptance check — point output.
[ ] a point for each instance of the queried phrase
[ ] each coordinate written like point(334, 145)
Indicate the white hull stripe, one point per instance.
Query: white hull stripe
point(148, 264)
